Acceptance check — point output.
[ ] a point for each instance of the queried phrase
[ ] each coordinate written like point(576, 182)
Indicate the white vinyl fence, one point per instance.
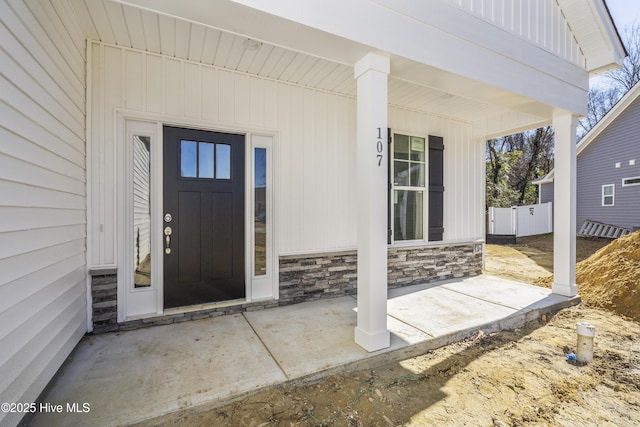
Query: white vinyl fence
point(521, 221)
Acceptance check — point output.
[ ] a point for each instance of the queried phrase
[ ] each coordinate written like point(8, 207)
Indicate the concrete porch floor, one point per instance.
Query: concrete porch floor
point(131, 376)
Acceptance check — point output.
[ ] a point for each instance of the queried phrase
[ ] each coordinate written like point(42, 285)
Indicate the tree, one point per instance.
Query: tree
point(602, 98)
point(599, 102)
point(625, 77)
point(513, 162)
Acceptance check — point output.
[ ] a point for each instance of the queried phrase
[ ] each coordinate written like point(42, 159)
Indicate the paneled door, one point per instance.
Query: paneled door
point(203, 223)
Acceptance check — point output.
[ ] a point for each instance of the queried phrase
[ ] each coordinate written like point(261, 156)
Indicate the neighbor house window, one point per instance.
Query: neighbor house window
point(608, 195)
point(408, 194)
point(626, 182)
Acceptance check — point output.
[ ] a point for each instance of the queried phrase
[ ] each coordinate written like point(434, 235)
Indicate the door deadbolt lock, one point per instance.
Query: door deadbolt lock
point(167, 217)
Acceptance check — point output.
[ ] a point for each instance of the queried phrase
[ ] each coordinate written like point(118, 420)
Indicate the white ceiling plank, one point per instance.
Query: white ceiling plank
point(101, 21)
point(118, 23)
point(224, 47)
point(260, 58)
point(210, 45)
point(283, 63)
point(84, 17)
point(340, 80)
point(151, 31)
point(321, 66)
point(167, 35)
point(235, 53)
point(331, 80)
point(183, 35)
point(309, 66)
point(271, 61)
point(289, 74)
point(135, 27)
point(248, 56)
point(196, 43)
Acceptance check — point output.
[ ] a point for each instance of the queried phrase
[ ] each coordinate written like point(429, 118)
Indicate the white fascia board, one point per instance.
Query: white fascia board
point(616, 51)
point(604, 63)
point(435, 33)
point(506, 127)
point(441, 35)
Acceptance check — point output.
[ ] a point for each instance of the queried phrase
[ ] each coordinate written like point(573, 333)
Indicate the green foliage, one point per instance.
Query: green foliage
point(512, 162)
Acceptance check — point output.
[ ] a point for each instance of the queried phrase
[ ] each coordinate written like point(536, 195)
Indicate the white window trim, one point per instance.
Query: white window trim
point(424, 190)
point(612, 195)
point(625, 184)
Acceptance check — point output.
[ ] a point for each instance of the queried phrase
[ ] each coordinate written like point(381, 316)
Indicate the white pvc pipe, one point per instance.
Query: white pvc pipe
point(586, 332)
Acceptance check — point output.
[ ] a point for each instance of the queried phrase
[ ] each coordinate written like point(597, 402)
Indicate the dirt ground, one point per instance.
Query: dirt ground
point(512, 378)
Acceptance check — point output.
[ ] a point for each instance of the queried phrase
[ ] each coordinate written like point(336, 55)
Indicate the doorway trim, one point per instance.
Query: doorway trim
point(141, 303)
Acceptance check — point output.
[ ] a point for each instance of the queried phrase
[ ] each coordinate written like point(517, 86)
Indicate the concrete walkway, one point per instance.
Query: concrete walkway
point(131, 376)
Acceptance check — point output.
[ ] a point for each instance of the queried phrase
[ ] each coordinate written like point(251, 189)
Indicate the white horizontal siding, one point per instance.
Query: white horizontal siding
point(42, 195)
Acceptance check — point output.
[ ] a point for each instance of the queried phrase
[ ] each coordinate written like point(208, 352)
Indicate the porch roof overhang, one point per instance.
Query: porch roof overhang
point(469, 70)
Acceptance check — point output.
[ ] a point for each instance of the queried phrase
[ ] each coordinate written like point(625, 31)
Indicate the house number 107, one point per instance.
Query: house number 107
point(379, 147)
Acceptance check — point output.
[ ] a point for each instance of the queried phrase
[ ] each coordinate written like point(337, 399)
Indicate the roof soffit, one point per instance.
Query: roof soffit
point(596, 33)
point(487, 54)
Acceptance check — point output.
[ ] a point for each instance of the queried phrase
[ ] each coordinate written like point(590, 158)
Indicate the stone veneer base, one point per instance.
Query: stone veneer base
point(307, 277)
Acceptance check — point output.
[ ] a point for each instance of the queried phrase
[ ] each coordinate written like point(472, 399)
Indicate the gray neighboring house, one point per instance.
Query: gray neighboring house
point(608, 168)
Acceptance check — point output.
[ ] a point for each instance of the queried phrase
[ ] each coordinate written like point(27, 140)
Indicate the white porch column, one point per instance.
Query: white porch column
point(564, 205)
point(371, 73)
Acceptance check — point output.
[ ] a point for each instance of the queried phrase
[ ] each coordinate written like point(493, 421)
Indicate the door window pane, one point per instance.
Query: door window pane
point(205, 160)
point(223, 161)
point(408, 214)
point(141, 211)
point(188, 159)
point(260, 219)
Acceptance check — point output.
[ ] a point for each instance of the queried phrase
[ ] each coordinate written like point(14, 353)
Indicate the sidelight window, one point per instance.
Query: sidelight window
point(260, 211)
point(141, 211)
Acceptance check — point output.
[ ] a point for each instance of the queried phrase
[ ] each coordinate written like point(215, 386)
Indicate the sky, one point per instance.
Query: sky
point(624, 12)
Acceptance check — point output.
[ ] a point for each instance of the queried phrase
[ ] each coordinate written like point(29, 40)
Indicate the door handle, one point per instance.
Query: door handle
point(167, 240)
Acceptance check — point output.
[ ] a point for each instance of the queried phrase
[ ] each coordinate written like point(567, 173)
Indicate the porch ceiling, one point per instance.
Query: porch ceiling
point(411, 85)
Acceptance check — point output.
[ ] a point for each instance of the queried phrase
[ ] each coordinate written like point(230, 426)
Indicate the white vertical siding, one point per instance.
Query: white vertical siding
point(463, 169)
point(42, 195)
point(539, 21)
point(315, 138)
point(316, 199)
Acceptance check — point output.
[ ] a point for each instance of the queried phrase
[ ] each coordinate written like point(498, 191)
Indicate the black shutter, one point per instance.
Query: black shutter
point(436, 188)
point(389, 186)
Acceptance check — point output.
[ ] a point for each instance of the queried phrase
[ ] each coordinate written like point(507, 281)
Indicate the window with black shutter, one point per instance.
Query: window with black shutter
point(412, 158)
point(436, 188)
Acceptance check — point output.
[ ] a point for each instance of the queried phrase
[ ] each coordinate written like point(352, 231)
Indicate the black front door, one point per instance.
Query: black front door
point(204, 209)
